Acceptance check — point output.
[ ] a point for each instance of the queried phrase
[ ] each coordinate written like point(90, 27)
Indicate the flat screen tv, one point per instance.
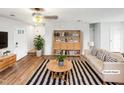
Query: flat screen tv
point(3, 40)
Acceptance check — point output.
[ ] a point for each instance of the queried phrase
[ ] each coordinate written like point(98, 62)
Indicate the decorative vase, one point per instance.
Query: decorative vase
point(38, 53)
point(60, 63)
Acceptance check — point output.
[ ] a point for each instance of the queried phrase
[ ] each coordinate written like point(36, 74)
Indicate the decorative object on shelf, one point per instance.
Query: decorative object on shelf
point(6, 52)
point(60, 59)
point(39, 44)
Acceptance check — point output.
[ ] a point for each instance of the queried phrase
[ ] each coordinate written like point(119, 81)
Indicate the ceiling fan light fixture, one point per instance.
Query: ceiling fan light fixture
point(37, 18)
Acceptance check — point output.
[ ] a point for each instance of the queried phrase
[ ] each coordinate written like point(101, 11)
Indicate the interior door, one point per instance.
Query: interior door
point(20, 43)
point(115, 40)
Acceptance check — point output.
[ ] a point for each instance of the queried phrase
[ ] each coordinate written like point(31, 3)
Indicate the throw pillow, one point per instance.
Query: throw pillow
point(117, 56)
point(109, 58)
point(101, 54)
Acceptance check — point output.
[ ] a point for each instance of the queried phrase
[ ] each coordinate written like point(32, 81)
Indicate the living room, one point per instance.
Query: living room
point(86, 29)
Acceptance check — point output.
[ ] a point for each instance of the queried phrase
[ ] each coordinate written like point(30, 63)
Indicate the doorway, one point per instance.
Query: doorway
point(20, 43)
point(115, 40)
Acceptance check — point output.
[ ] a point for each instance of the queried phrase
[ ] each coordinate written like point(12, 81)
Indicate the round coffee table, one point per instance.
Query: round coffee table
point(65, 69)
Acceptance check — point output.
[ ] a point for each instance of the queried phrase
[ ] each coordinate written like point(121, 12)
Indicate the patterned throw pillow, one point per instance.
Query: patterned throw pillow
point(101, 55)
point(117, 56)
point(110, 59)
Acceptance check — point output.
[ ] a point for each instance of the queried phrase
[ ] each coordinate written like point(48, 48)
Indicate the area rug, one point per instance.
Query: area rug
point(81, 74)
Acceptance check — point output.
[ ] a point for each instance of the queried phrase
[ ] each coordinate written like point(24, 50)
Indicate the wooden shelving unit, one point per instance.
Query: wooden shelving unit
point(67, 42)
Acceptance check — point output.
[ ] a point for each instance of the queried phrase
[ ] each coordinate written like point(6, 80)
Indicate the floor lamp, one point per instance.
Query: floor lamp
point(91, 44)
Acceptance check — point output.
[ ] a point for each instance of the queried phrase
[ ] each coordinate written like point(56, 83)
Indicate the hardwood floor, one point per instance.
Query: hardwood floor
point(20, 73)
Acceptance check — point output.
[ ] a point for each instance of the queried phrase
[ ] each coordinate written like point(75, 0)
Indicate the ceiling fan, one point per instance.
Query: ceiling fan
point(39, 12)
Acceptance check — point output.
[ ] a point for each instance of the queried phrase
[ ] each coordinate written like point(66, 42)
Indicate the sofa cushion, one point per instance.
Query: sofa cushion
point(98, 64)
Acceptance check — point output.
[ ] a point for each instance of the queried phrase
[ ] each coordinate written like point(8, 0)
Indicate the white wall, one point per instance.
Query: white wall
point(46, 31)
point(105, 36)
point(51, 26)
point(9, 25)
point(106, 32)
point(39, 30)
point(30, 36)
point(103, 33)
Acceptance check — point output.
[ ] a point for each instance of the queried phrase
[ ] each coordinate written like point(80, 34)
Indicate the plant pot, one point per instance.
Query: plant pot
point(38, 53)
point(42, 51)
point(61, 63)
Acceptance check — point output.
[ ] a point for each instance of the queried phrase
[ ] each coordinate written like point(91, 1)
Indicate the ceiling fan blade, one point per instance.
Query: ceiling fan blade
point(51, 17)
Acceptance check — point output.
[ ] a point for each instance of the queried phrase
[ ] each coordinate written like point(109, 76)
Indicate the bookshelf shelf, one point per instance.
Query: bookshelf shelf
point(67, 42)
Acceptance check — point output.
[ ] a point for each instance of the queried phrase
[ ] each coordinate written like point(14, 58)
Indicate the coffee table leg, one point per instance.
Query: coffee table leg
point(68, 78)
point(65, 79)
point(53, 75)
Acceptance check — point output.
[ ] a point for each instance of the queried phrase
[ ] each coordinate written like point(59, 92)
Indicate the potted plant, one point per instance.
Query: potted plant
point(60, 59)
point(39, 44)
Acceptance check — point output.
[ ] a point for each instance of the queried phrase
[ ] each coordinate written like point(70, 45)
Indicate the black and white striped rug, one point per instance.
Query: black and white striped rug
point(81, 74)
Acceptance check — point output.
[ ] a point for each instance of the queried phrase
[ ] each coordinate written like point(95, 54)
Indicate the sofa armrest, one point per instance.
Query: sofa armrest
point(116, 72)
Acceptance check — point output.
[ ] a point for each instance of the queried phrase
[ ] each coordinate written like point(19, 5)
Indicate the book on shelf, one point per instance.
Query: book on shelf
point(67, 52)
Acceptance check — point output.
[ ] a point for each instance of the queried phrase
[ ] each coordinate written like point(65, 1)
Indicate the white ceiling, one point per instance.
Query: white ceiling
point(68, 14)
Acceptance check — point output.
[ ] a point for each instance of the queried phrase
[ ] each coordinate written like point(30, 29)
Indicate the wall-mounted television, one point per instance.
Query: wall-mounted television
point(3, 40)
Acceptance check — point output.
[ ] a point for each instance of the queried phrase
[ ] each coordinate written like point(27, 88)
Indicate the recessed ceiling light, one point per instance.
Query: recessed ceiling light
point(12, 15)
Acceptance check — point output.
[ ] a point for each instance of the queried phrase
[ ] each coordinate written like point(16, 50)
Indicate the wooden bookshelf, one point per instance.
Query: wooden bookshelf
point(67, 42)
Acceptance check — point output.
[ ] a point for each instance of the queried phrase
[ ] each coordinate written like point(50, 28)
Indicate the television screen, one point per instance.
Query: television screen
point(3, 40)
